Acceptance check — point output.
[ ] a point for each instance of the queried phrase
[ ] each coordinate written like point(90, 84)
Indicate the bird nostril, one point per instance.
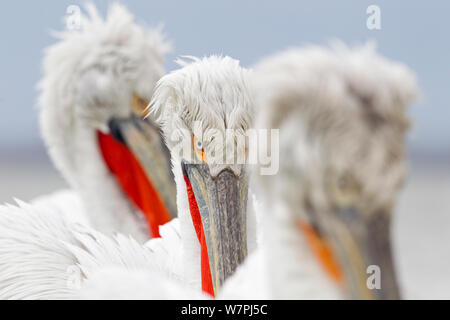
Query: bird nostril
point(115, 130)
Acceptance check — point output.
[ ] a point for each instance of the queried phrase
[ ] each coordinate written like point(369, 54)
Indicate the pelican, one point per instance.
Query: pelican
point(47, 256)
point(342, 116)
point(217, 224)
point(97, 82)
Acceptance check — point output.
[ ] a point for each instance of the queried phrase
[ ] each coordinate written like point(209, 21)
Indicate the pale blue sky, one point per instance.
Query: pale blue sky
point(415, 33)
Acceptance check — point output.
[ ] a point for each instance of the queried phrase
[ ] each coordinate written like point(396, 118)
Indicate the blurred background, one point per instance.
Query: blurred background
point(414, 33)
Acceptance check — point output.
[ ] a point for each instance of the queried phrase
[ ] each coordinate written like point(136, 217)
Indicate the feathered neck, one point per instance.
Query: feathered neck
point(106, 206)
point(190, 245)
point(293, 271)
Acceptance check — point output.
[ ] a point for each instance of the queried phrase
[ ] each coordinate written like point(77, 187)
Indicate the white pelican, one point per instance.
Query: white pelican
point(97, 82)
point(216, 227)
point(38, 248)
point(342, 119)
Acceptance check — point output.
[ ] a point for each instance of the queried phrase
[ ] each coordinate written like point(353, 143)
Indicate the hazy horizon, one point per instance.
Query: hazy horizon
point(410, 33)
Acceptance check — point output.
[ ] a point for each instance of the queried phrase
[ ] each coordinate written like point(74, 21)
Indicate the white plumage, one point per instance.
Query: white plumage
point(108, 283)
point(66, 202)
point(90, 76)
point(45, 255)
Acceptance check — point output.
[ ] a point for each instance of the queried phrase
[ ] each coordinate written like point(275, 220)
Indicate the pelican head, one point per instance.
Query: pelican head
point(198, 107)
point(97, 82)
point(342, 119)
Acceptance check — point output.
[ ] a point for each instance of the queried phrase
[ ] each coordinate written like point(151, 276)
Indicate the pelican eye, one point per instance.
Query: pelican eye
point(199, 150)
point(138, 104)
point(345, 191)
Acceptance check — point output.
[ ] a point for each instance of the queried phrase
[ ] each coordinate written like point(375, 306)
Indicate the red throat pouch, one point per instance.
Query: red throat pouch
point(134, 182)
point(207, 285)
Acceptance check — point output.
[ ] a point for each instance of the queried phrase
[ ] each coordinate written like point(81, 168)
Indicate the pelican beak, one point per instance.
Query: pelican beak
point(222, 204)
point(144, 140)
point(363, 249)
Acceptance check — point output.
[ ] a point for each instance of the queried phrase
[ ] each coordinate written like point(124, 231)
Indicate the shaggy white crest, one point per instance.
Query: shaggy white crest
point(91, 74)
point(342, 119)
point(212, 91)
